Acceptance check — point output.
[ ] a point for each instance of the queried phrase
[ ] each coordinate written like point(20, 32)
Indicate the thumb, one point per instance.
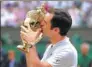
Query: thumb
point(38, 32)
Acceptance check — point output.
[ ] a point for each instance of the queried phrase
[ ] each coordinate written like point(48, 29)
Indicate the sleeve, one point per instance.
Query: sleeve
point(60, 59)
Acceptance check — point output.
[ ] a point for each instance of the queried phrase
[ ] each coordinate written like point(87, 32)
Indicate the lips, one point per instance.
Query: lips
point(41, 26)
point(42, 30)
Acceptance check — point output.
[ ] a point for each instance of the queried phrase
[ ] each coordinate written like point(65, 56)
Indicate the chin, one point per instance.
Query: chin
point(45, 34)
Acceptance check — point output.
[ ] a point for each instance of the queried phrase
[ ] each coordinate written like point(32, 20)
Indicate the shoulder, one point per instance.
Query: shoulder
point(67, 51)
point(66, 47)
point(63, 56)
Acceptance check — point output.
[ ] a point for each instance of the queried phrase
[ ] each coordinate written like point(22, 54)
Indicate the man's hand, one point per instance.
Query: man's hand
point(28, 35)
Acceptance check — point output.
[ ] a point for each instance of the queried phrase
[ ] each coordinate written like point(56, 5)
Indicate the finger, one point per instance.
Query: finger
point(28, 26)
point(24, 29)
point(23, 33)
point(38, 32)
point(22, 38)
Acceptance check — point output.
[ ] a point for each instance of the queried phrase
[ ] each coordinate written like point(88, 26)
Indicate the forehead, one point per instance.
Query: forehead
point(85, 46)
point(48, 17)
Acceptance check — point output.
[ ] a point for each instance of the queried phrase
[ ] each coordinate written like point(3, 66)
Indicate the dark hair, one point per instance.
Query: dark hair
point(62, 20)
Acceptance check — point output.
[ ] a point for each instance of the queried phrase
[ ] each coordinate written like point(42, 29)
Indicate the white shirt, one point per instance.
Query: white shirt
point(62, 54)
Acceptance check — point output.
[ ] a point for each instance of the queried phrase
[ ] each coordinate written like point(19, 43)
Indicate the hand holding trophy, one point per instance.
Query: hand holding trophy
point(30, 27)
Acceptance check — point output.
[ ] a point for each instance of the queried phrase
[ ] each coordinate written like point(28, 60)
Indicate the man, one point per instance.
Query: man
point(84, 59)
point(90, 64)
point(61, 52)
point(3, 56)
point(11, 62)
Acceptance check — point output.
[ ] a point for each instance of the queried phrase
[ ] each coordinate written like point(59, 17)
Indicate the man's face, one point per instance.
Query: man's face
point(46, 24)
point(11, 55)
point(84, 49)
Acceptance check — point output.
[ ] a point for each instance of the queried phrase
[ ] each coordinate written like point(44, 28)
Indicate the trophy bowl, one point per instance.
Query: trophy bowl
point(33, 18)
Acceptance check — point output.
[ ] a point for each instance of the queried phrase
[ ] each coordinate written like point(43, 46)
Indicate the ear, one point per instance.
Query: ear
point(56, 30)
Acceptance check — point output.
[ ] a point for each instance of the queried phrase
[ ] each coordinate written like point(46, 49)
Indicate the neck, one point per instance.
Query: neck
point(57, 39)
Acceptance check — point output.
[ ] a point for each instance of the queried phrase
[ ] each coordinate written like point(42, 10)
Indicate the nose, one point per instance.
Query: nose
point(41, 23)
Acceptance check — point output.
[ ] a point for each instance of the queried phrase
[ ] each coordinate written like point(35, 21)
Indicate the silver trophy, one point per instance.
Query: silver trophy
point(35, 17)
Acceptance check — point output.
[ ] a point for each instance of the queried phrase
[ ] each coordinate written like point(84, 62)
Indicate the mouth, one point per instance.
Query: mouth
point(41, 29)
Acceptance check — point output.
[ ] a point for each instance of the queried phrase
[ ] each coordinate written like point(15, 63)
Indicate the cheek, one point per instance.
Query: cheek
point(46, 27)
point(50, 33)
point(84, 50)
